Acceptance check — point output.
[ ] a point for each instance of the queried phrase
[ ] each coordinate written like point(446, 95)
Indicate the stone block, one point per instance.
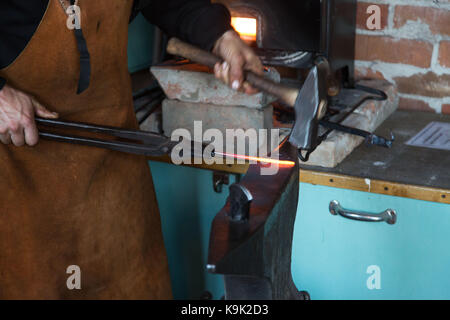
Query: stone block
point(194, 83)
point(179, 114)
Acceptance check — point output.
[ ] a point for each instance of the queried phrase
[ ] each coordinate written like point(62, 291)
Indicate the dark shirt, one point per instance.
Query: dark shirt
point(195, 21)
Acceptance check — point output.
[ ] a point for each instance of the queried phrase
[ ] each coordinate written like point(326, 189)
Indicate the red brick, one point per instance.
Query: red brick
point(367, 74)
point(446, 108)
point(444, 53)
point(413, 52)
point(414, 105)
point(362, 15)
point(427, 84)
point(437, 19)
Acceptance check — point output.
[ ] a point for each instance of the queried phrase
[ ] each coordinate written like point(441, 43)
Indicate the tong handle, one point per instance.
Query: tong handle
point(179, 48)
point(133, 148)
point(146, 137)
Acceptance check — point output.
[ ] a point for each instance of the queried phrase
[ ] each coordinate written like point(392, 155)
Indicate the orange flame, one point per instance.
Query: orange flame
point(246, 27)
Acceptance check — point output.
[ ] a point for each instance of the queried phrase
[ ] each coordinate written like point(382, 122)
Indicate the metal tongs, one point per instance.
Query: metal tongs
point(145, 143)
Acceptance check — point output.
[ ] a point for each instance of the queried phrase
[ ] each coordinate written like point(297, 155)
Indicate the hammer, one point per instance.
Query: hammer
point(309, 102)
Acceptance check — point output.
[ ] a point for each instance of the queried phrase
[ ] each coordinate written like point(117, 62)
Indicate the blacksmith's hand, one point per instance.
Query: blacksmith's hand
point(237, 56)
point(17, 112)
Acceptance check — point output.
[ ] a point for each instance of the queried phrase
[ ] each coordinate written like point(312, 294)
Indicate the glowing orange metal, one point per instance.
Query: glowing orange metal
point(258, 159)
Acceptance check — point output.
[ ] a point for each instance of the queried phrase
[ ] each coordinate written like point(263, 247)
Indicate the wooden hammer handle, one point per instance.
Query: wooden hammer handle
point(188, 51)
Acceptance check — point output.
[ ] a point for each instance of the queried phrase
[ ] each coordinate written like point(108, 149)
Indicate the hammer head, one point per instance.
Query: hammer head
point(309, 106)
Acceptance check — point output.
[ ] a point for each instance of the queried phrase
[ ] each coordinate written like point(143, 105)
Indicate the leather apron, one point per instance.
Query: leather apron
point(63, 204)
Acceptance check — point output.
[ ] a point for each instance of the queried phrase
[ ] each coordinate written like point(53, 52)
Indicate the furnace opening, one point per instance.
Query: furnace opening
point(246, 27)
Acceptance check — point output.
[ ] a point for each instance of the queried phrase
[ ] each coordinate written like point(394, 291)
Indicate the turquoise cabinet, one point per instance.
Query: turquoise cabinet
point(188, 204)
point(336, 258)
point(332, 257)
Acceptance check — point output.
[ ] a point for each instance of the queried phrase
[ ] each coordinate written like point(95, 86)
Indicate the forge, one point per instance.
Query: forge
point(292, 33)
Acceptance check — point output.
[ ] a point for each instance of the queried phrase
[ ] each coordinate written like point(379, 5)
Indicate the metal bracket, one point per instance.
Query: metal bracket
point(220, 179)
point(240, 200)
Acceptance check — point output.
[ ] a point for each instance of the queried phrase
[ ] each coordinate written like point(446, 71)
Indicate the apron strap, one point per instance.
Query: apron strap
point(85, 60)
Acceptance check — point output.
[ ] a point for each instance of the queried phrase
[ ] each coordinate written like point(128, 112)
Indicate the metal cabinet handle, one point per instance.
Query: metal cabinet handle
point(389, 215)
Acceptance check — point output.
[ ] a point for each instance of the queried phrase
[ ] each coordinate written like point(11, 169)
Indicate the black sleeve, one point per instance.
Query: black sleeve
point(18, 22)
point(196, 21)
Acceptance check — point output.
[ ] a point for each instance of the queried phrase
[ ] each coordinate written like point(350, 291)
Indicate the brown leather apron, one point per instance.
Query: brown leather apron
point(63, 204)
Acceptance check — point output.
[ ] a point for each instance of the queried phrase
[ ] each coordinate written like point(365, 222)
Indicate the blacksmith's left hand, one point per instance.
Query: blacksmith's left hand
point(238, 57)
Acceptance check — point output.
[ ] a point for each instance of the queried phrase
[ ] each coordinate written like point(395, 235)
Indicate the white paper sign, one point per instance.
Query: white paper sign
point(436, 135)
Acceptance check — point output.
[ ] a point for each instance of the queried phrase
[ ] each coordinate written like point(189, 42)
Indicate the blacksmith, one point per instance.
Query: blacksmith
point(63, 205)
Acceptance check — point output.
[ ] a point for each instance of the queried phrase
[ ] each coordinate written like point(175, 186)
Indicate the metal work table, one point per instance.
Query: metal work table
point(405, 171)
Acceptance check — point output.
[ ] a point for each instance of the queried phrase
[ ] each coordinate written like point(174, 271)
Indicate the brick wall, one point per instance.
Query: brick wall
point(412, 50)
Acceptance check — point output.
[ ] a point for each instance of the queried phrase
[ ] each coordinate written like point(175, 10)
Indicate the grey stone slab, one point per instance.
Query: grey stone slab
point(197, 84)
point(178, 114)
